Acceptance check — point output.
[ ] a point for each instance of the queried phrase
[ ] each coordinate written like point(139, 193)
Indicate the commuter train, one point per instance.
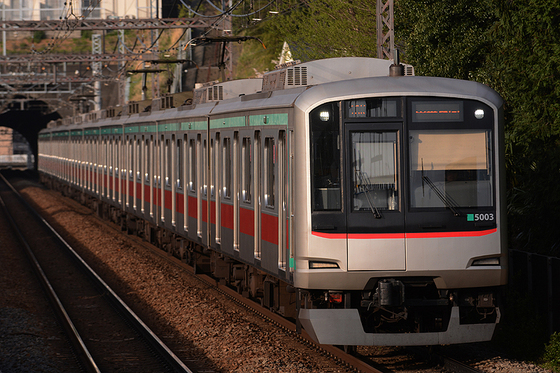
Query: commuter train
point(348, 194)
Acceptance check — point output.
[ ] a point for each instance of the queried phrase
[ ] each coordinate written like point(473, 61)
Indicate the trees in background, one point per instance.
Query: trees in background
point(514, 47)
point(511, 45)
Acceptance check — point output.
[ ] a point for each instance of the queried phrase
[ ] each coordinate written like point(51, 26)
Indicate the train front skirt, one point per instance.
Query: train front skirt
point(343, 327)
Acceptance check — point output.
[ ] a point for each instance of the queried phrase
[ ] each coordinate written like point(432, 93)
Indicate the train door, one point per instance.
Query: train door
point(105, 170)
point(147, 176)
point(288, 240)
point(257, 183)
point(216, 188)
point(111, 170)
point(272, 221)
point(191, 195)
point(375, 217)
point(167, 185)
point(246, 196)
point(156, 179)
point(203, 189)
point(282, 152)
point(130, 173)
point(212, 171)
point(228, 216)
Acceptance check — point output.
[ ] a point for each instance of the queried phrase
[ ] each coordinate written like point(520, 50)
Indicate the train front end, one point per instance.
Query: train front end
point(401, 228)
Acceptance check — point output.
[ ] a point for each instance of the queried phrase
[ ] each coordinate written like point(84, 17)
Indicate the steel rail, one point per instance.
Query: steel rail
point(78, 345)
point(171, 359)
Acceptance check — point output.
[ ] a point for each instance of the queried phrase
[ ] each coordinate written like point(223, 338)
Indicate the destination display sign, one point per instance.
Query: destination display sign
point(437, 111)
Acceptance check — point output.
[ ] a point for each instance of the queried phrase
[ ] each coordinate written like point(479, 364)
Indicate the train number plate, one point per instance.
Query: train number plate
point(489, 216)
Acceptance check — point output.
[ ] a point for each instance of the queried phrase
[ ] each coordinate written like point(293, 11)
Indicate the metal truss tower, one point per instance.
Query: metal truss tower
point(385, 29)
point(96, 48)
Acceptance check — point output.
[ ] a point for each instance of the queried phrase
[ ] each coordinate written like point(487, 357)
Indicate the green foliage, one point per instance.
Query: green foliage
point(330, 28)
point(552, 353)
point(255, 57)
point(444, 38)
point(514, 47)
point(39, 35)
point(525, 66)
point(86, 34)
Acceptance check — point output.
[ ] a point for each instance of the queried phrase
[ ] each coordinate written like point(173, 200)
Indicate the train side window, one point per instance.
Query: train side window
point(227, 163)
point(110, 156)
point(246, 167)
point(179, 163)
point(130, 152)
point(204, 168)
point(138, 161)
point(192, 169)
point(168, 165)
point(147, 167)
point(212, 168)
point(269, 171)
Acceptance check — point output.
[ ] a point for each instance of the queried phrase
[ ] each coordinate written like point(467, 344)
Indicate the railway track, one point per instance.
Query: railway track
point(105, 334)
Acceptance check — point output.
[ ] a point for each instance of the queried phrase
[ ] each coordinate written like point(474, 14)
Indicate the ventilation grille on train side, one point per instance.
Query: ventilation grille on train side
point(297, 76)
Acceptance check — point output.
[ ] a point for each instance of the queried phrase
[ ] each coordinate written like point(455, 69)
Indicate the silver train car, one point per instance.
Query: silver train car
point(368, 207)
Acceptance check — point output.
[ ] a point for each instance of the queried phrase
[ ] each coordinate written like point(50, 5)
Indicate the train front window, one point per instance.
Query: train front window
point(450, 168)
point(374, 170)
point(325, 147)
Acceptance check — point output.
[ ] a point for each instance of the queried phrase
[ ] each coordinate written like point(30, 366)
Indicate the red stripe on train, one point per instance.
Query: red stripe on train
point(389, 236)
point(269, 231)
point(247, 221)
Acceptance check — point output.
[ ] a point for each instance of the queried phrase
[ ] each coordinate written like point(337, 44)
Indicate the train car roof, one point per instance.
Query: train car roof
point(397, 86)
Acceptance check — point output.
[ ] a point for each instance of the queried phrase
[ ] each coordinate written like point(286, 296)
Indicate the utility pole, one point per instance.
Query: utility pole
point(385, 29)
point(123, 78)
point(154, 13)
point(96, 48)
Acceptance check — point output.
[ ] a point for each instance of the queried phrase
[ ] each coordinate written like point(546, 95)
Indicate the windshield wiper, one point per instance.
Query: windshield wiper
point(446, 199)
point(365, 187)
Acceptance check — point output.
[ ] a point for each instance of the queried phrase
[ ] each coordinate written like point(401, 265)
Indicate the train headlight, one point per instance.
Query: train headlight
point(325, 116)
point(479, 114)
point(486, 262)
point(323, 265)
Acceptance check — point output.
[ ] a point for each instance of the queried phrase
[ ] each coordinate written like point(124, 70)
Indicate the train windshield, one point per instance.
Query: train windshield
point(374, 163)
point(450, 168)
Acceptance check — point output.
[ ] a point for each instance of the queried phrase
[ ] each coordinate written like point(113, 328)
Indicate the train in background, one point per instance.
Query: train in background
point(365, 203)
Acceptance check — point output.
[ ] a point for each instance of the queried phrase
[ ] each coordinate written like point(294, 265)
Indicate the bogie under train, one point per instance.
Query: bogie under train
point(369, 207)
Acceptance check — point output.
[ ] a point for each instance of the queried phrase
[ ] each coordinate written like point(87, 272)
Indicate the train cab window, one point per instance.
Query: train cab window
point(227, 172)
point(374, 171)
point(246, 167)
point(450, 167)
point(325, 162)
point(450, 154)
point(372, 108)
point(269, 171)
